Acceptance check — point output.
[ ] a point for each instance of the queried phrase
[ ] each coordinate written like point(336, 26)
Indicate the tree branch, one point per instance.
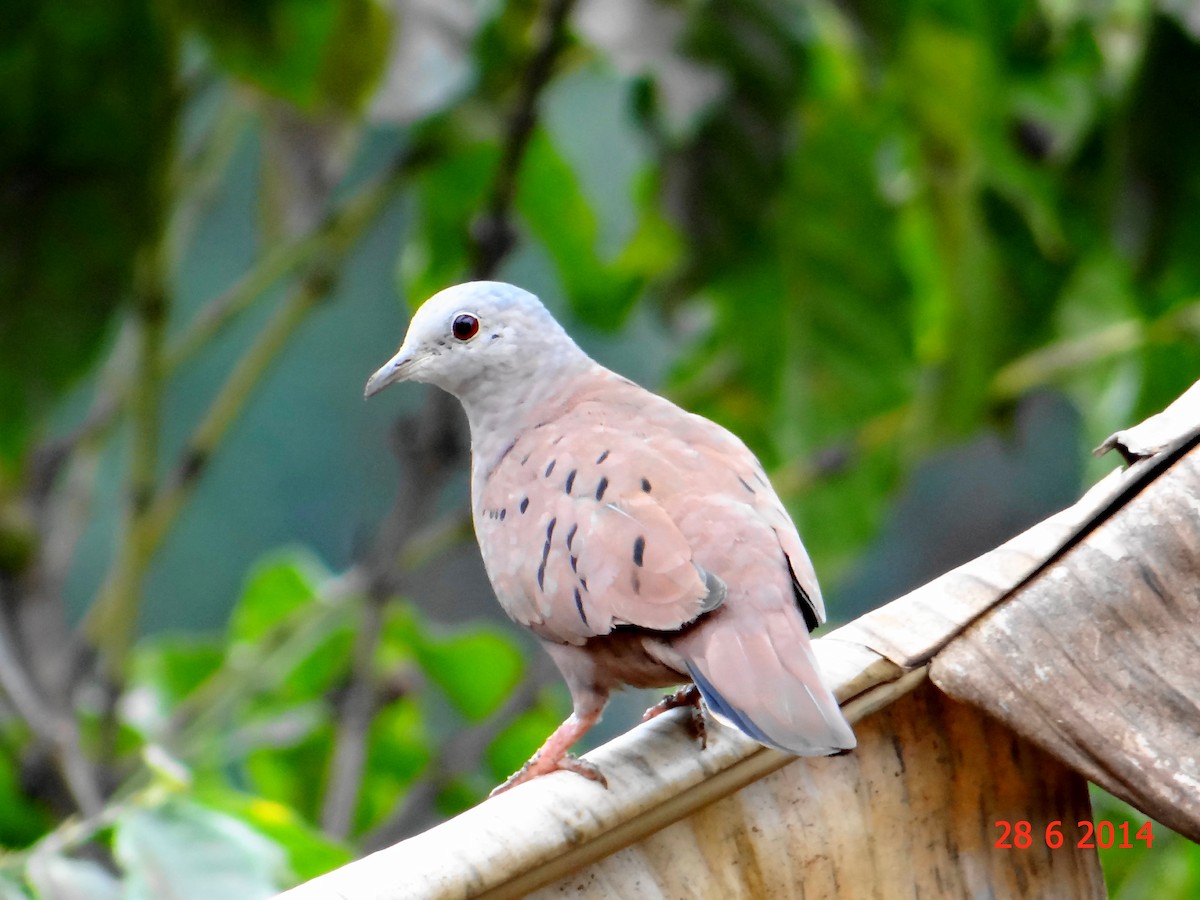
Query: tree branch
point(52, 726)
point(493, 234)
point(112, 618)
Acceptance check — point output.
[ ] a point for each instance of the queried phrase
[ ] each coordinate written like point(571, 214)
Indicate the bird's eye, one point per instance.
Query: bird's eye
point(465, 326)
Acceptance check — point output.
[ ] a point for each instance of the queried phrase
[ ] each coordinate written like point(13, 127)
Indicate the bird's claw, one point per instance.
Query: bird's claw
point(536, 767)
point(687, 696)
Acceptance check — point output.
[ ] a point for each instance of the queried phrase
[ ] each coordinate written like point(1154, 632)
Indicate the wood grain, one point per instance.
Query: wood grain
point(1098, 659)
point(911, 813)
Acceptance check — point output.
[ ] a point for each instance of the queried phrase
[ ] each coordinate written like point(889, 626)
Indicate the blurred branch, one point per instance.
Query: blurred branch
point(435, 539)
point(1043, 366)
point(459, 756)
point(1062, 358)
point(329, 241)
point(111, 620)
point(435, 443)
point(204, 711)
point(881, 430)
point(355, 712)
point(151, 304)
point(493, 234)
point(53, 726)
point(197, 175)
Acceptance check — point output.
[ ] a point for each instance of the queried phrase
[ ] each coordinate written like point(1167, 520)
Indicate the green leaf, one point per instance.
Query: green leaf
point(57, 877)
point(277, 586)
point(323, 669)
point(399, 750)
point(172, 666)
point(293, 775)
point(10, 890)
point(551, 201)
point(317, 54)
point(21, 821)
point(526, 733)
point(449, 195)
point(477, 671)
point(310, 852)
point(459, 795)
point(1170, 867)
point(183, 850)
point(475, 667)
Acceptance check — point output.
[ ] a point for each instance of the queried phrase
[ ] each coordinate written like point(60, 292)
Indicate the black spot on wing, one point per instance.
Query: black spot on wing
point(503, 513)
point(550, 468)
point(639, 549)
point(507, 450)
point(541, 573)
point(574, 563)
point(745, 485)
point(570, 483)
point(602, 457)
point(646, 485)
point(601, 488)
point(571, 533)
point(579, 606)
point(524, 504)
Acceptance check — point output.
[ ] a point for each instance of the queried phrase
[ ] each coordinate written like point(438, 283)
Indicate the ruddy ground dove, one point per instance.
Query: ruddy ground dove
point(641, 543)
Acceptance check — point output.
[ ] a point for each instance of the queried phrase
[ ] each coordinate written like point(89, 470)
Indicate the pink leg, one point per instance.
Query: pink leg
point(553, 755)
point(688, 695)
point(588, 699)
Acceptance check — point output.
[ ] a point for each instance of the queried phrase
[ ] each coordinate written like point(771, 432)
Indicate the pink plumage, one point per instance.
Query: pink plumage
point(643, 544)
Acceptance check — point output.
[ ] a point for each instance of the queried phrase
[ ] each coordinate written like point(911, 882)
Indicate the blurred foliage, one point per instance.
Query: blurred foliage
point(873, 228)
point(1166, 866)
point(88, 116)
point(322, 56)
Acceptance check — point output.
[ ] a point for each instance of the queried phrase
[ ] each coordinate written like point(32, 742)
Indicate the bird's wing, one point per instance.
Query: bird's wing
point(576, 540)
point(605, 512)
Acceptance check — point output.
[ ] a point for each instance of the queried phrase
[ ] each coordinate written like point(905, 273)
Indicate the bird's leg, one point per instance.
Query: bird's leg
point(553, 755)
point(689, 696)
point(588, 699)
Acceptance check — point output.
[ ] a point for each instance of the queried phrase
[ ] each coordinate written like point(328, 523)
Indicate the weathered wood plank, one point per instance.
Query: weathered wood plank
point(1098, 659)
point(562, 823)
point(911, 813)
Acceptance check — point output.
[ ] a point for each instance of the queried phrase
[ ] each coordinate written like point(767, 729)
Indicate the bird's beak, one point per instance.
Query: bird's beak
point(395, 369)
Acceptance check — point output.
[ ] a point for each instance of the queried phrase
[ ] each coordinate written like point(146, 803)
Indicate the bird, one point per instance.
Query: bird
point(642, 544)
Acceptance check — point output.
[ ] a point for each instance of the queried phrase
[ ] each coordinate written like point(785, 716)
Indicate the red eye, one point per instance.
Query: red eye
point(465, 326)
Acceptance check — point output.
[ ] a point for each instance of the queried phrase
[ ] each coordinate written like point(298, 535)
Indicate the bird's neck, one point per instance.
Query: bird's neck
point(501, 409)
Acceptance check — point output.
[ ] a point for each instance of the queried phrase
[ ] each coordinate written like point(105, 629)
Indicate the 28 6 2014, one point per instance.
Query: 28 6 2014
point(1088, 835)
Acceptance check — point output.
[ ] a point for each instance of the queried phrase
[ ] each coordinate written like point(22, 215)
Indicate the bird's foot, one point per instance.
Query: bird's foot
point(687, 696)
point(539, 765)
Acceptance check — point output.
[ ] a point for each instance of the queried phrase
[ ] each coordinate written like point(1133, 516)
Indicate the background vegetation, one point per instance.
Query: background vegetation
point(921, 255)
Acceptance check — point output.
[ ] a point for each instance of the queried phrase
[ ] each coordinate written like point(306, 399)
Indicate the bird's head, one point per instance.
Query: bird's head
point(480, 338)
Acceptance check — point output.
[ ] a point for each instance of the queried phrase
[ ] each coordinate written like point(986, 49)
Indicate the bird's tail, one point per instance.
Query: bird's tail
point(759, 674)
